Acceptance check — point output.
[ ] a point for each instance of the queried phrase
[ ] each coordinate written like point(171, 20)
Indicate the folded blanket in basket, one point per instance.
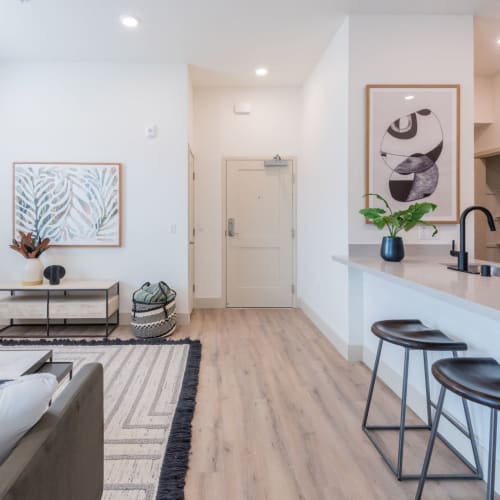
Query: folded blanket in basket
point(154, 293)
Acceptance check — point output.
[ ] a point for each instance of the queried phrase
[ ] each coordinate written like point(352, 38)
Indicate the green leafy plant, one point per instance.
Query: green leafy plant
point(402, 220)
point(29, 246)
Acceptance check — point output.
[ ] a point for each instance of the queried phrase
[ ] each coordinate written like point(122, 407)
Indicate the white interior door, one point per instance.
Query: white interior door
point(259, 234)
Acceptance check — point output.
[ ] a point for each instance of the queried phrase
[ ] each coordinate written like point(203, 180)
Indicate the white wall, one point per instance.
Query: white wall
point(408, 49)
point(366, 50)
point(323, 190)
point(98, 113)
point(272, 127)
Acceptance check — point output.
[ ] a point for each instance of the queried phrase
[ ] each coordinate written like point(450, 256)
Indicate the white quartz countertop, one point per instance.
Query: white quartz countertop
point(474, 292)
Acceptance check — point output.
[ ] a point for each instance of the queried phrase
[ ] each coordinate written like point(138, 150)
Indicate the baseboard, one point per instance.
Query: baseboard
point(209, 303)
point(351, 353)
point(125, 318)
point(183, 318)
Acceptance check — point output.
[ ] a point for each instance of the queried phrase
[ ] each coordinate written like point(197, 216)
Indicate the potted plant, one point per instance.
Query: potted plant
point(392, 248)
point(31, 247)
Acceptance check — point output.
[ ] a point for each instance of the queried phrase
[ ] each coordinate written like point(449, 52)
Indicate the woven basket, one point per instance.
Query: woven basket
point(151, 320)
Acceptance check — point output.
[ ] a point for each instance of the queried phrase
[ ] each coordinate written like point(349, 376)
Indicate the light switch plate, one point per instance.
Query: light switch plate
point(425, 233)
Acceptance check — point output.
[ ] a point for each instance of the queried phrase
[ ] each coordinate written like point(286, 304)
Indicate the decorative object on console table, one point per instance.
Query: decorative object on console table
point(54, 274)
point(31, 247)
point(74, 204)
point(392, 248)
point(413, 146)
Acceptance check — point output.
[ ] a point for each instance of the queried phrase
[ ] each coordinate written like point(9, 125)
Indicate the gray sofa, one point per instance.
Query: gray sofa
point(62, 456)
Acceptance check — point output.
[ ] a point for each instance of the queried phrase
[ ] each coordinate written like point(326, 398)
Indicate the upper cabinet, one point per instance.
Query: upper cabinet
point(483, 100)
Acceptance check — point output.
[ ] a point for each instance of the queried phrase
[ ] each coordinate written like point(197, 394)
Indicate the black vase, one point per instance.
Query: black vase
point(392, 249)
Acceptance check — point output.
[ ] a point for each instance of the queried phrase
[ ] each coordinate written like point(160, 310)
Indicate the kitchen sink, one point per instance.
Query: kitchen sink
point(476, 268)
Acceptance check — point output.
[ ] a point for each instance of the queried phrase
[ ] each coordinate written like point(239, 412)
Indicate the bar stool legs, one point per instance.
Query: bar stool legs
point(427, 389)
point(430, 446)
point(492, 455)
point(490, 495)
point(372, 383)
point(402, 421)
point(397, 469)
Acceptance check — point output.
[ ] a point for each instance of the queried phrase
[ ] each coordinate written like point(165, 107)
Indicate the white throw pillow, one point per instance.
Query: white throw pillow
point(23, 402)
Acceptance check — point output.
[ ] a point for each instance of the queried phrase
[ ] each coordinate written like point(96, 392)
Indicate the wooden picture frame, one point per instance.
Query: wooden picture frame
point(413, 147)
point(75, 204)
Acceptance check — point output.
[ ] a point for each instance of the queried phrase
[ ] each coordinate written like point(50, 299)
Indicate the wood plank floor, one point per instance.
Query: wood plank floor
point(278, 417)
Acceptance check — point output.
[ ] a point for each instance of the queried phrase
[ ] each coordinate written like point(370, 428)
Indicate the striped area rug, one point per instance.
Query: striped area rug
point(149, 399)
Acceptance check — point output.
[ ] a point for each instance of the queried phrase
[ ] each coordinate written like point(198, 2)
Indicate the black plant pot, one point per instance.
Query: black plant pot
point(392, 249)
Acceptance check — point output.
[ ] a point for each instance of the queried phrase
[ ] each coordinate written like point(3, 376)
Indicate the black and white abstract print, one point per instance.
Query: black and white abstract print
point(411, 147)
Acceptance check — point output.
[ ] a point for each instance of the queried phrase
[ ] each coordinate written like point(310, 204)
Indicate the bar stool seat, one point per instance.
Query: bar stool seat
point(474, 379)
point(477, 379)
point(413, 334)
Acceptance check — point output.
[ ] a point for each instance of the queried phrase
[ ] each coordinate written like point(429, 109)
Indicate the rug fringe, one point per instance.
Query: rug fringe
point(105, 341)
point(176, 461)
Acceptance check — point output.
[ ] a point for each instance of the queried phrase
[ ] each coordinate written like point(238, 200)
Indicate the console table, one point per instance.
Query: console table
point(70, 300)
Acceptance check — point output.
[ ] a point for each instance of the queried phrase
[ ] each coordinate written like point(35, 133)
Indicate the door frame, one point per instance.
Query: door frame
point(191, 230)
point(225, 159)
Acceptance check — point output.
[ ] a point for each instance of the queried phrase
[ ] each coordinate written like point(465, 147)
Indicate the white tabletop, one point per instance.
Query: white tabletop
point(64, 285)
point(14, 363)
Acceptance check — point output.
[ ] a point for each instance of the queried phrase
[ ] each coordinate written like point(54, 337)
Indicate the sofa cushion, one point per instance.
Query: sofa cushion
point(23, 401)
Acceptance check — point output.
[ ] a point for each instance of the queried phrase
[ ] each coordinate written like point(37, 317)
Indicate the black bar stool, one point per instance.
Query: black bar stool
point(475, 379)
point(414, 335)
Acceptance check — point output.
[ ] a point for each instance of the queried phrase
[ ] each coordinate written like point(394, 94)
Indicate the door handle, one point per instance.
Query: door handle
point(230, 227)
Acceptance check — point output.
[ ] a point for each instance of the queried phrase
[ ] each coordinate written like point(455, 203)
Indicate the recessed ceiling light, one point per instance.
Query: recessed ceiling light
point(498, 41)
point(410, 97)
point(129, 21)
point(261, 71)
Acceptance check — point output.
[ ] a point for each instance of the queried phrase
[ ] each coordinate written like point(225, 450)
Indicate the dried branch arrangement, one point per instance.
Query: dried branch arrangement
point(29, 246)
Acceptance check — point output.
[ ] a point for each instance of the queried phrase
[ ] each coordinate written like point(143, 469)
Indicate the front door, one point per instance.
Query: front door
point(259, 234)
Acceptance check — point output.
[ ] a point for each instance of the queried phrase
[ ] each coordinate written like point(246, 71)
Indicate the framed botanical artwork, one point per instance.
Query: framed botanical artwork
point(73, 204)
point(413, 147)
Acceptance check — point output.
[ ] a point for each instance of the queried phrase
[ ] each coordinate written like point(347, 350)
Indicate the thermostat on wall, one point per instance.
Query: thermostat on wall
point(151, 131)
point(243, 108)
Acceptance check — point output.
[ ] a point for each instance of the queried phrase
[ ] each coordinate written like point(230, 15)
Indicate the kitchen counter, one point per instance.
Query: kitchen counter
point(466, 307)
point(470, 291)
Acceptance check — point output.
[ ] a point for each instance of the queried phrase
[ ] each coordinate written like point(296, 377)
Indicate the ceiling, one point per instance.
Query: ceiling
point(223, 40)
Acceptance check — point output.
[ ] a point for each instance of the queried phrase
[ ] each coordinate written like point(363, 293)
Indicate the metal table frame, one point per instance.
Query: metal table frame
point(109, 326)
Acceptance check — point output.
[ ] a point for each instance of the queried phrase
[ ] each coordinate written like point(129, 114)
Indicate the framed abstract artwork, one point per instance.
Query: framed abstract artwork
point(73, 204)
point(413, 147)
